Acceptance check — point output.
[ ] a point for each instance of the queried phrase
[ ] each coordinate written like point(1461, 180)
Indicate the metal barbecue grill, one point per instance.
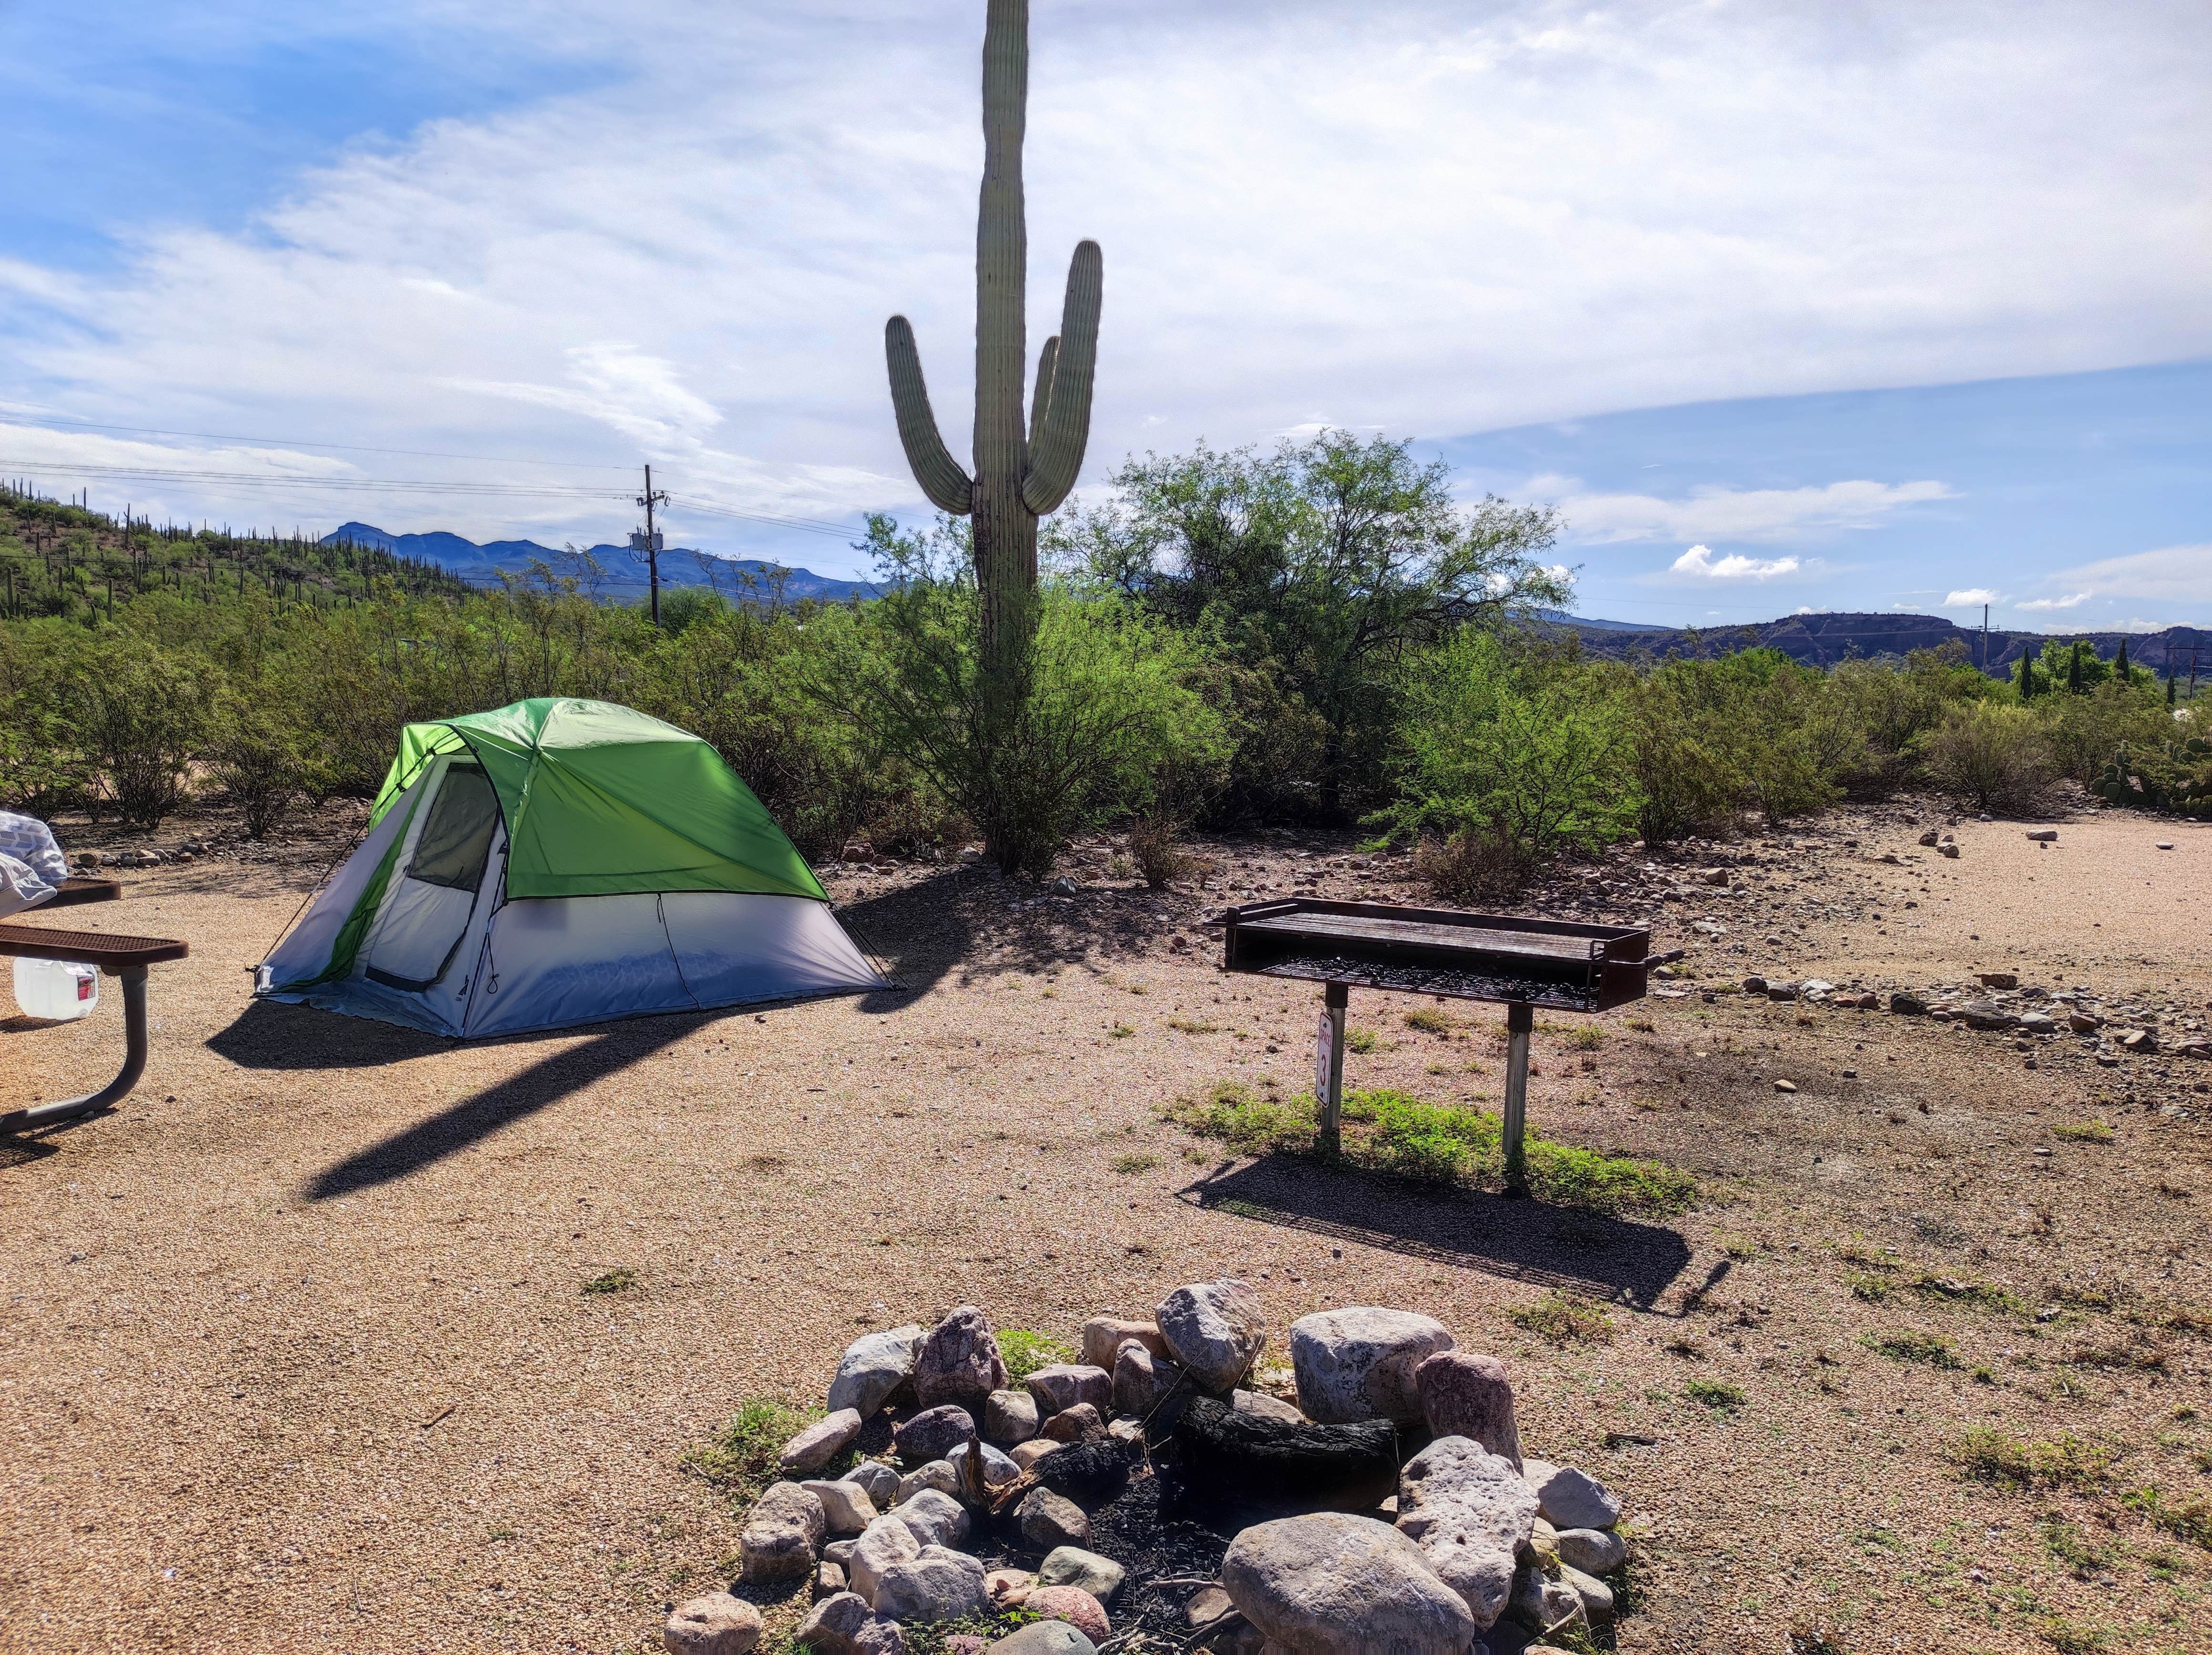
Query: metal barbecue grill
point(1524, 963)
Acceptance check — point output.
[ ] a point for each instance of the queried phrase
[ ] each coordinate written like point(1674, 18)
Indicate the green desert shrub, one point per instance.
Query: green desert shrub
point(1992, 756)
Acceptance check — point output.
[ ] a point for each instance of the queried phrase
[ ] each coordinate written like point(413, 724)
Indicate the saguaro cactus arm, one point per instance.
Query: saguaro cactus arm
point(939, 475)
point(1056, 450)
point(1041, 398)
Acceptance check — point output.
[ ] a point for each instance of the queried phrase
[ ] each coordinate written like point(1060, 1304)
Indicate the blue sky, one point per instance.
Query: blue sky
point(1863, 307)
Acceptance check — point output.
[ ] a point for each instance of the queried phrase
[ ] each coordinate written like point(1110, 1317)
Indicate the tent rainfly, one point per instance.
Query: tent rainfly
point(630, 871)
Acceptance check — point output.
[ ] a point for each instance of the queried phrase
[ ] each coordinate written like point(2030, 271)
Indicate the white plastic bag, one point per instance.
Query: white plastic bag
point(19, 888)
point(30, 842)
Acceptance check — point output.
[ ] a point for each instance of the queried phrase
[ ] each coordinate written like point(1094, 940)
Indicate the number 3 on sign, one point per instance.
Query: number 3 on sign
point(1324, 1042)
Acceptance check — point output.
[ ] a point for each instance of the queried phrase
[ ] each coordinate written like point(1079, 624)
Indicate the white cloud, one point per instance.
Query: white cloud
point(1452, 219)
point(2072, 601)
point(1736, 514)
point(1700, 561)
point(1973, 597)
point(2172, 574)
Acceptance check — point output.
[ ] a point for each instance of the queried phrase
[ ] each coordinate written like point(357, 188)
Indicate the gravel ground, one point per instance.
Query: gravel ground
point(297, 1353)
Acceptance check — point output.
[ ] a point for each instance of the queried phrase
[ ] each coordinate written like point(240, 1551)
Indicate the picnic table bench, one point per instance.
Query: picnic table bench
point(124, 958)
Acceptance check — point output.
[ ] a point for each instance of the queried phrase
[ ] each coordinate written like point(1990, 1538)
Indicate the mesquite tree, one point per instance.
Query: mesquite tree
point(1024, 467)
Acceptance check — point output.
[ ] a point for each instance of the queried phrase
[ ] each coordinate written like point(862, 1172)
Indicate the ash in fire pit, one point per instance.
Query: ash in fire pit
point(1209, 1517)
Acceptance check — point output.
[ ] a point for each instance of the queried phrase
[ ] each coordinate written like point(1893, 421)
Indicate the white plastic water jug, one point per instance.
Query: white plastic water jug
point(60, 990)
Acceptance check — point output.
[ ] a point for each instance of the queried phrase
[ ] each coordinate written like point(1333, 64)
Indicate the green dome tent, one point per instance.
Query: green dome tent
point(559, 862)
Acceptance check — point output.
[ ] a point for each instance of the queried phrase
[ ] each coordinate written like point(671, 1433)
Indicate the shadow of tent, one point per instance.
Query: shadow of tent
point(1563, 1248)
point(270, 1034)
point(474, 1118)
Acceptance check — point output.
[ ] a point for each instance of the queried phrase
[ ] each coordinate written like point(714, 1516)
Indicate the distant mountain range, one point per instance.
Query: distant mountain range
point(1825, 640)
point(624, 574)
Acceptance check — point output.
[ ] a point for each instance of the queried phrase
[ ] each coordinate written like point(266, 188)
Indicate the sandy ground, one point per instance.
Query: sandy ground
point(296, 1355)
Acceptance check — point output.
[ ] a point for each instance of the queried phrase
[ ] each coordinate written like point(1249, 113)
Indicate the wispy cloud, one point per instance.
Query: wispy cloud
point(1700, 562)
point(1643, 202)
point(2071, 601)
point(1734, 514)
point(2173, 574)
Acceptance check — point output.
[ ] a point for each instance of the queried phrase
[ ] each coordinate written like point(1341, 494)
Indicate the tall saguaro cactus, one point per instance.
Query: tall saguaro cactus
point(1024, 467)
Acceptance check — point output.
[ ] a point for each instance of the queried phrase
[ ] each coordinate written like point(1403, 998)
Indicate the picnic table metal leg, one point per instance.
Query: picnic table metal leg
point(133, 979)
point(1520, 1020)
point(1329, 1066)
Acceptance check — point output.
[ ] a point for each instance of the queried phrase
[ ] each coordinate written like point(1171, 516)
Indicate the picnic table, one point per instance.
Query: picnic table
point(124, 958)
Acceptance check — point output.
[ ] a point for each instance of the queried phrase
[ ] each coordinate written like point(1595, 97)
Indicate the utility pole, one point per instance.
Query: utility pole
point(649, 541)
point(1986, 639)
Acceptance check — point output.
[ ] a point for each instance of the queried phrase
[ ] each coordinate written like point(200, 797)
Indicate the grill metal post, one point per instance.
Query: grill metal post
point(1329, 1066)
point(1520, 1020)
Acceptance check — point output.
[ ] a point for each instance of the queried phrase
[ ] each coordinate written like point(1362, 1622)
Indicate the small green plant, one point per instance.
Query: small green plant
point(1429, 1021)
point(1912, 1345)
point(2189, 1519)
point(746, 1453)
point(1134, 1163)
point(2082, 1132)
point(1871, 1288)
point(1250, 1124)
point(1987, 1454)
point(1562, 1319)
point(1717, 1394)
point(2066, 1543)
point(614, 1280)
point(2070, 1638)
point(1191, 1026)
point(1742, 1248)
point(1981, 1295)
point(1361, 1040)
point(1587, 1037)
point(1121, 1031)
point(1025, 1352)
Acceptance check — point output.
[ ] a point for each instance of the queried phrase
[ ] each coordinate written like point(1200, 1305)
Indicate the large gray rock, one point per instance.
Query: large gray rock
point(1140, 1379)
point(1010, 1418)
point(1072, 1566)
point(879, 1636)
point(821, 1442)
point(879, 1479)
point(1063, 1384)
point(1545, 1602)
point(1214, 1330)
point(782, 1534)
point(1073, 1424)
point(887, 1541)
point(1044, 1638)
point(998, 1470)
point(1261, 1405)
point(1471, 1516)
point(1572, 1498)
point(1357, 1363)
point(1596, 1596)
point(1464, 1394)
point(717, 1624)
point(1336, 1585)
point(935, 1517)
point(831, 1625)
point(1049, 1519)
point(939, 1584)
point(931, 1434)
point(938, 1474)
point(872, 1367)
point(845, 1504)
point(1593, 1551)
point(959, 1361)
point(1104, 1336)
